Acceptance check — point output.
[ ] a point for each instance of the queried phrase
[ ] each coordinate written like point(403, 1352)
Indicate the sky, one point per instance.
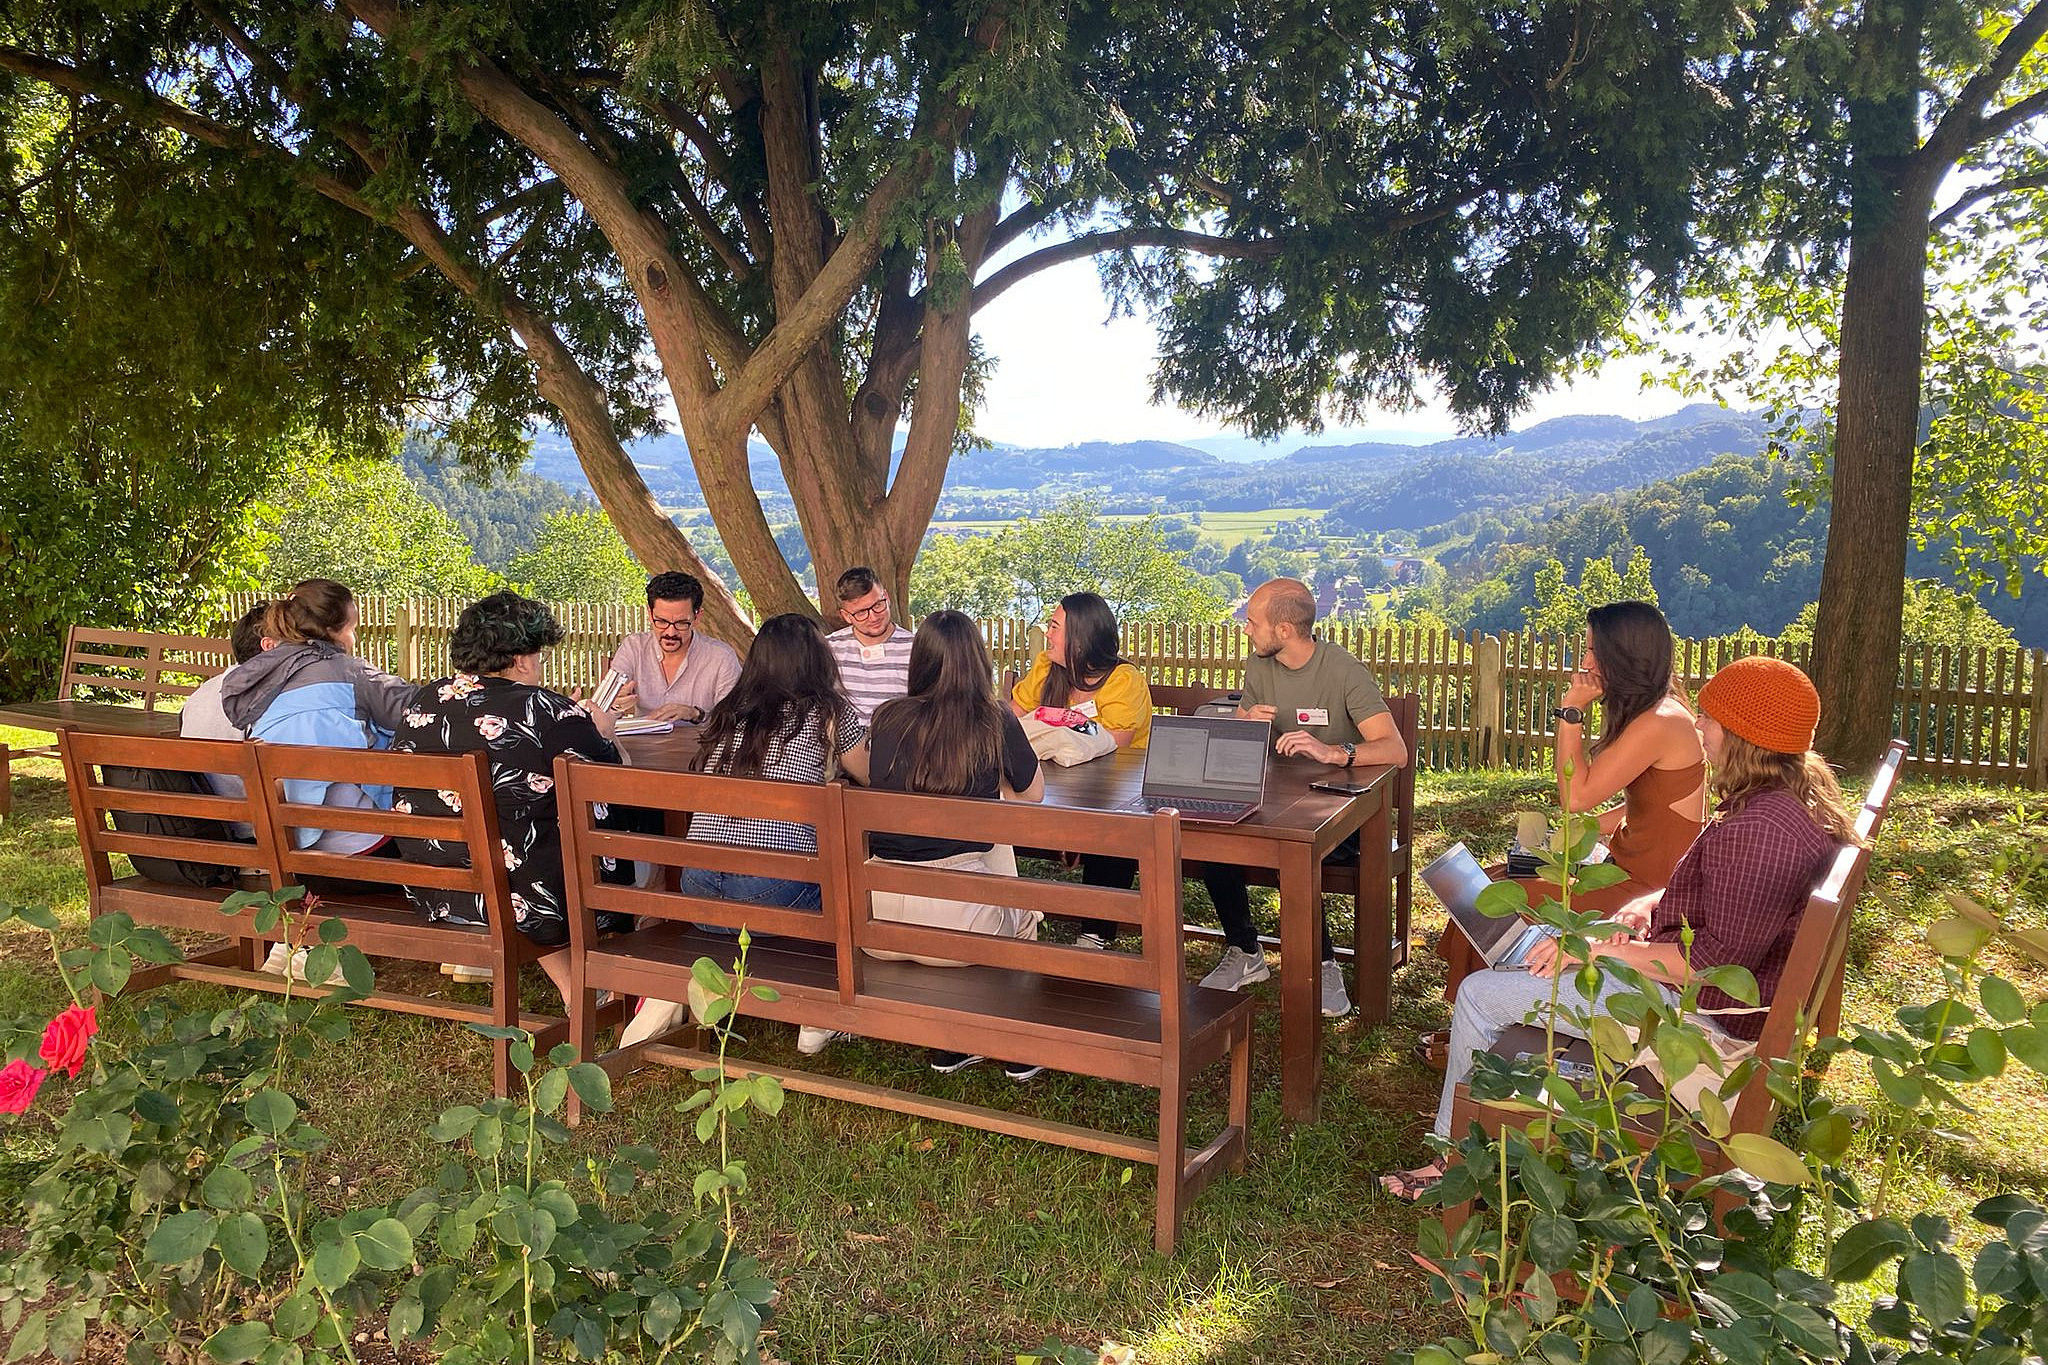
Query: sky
point(1065, 373)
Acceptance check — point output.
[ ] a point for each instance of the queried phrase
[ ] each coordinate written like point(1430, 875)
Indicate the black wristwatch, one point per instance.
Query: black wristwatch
point(1570, 715)
point(1350, 754)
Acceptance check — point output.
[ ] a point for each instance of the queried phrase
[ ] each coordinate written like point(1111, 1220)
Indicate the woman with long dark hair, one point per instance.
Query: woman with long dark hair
point(1648, 753)
point(1734, 898)
point(951, 737)
point(787, 719)
point(1079, 670)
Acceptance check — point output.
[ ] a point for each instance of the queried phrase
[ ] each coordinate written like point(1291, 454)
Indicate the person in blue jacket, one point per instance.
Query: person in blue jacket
point(312, 689)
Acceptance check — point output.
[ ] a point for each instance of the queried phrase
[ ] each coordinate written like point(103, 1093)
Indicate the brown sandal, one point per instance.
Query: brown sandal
point(1433, 1049)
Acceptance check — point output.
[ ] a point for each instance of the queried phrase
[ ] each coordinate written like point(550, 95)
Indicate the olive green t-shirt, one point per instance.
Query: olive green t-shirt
point(1337, 691)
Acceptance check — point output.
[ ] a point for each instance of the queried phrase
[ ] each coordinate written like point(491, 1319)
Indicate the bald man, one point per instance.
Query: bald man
point(1323, 705)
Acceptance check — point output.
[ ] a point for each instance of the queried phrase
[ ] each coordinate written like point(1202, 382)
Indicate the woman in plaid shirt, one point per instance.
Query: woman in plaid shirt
point(1779, 820)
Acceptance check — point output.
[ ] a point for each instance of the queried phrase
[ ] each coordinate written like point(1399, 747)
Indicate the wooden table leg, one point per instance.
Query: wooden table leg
point(1301, 1020)
point(1373, 962)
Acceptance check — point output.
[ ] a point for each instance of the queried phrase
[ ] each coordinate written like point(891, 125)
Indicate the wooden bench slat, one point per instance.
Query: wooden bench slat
point(293, 815)
point(223, 808)
point(668, 851)
point(755, 919)
point(1024, 893)
point(1049, 959)
point(302, 863)
point(216, 852)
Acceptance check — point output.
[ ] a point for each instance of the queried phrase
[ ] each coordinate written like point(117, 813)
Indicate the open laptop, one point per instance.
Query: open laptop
point(1209, 768)
point(1457, 879)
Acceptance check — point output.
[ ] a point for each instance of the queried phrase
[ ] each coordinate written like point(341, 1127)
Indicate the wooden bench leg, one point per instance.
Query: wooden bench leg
point(1240, 1115)
point(504, 1014)
point(1173, 1165)
point(6, 780)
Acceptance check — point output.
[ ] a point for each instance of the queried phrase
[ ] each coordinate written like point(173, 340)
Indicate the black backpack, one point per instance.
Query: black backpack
point(175, 870)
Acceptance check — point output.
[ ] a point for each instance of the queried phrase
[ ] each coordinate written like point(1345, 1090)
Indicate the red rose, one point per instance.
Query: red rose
point(19, 1082)
point(66, 1039)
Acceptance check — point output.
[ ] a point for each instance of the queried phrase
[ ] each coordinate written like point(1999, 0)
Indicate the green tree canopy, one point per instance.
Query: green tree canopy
point(1561, 607)
point(166, 348)
point(366, 525)
point(579, 557)
point(788, 216)
point(1024, 570)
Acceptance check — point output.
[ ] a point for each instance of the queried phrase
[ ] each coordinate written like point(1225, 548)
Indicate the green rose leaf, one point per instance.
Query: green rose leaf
point(335, 1262)
point(226, 1187)
point(244, 1244)
point(1553, 1241)
point(385, 1245)
point(407, 1316)
point(1867, 1247)
point(1934, 1281)
point(333, 930)
point(240, 1343)
point(664, 1313)
point(2002, 1000)
point(550, 1091)
point(271, 1111)
point(1502, 899)
point(296, 1316)
point(593, 1085)
point(181, 1237)
point(154, 1106)
point(1766, 1158)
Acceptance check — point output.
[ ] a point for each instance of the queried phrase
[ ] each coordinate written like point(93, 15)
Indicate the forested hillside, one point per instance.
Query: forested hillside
point(1727, 549)
point(501, 518)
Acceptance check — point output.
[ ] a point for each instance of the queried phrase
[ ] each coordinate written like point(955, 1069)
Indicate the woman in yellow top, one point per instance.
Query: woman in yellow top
point(1081, 671)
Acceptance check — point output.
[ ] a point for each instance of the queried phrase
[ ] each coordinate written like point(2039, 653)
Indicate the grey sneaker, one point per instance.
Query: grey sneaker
point(1336, 1002)
point(1093, 942)
point(1237, 970)
point(812, 1041)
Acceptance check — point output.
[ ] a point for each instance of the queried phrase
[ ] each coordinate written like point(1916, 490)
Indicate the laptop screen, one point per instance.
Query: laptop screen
point(1457, 879)
point(1213, 757)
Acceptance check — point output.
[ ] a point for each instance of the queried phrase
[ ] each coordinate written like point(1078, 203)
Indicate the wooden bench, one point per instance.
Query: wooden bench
point(1129, 1017)
point(143, 663)
point(380, 922)
point(1808, 993)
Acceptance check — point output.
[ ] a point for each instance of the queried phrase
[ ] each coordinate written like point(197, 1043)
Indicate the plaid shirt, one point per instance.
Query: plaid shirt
point(1742, 887)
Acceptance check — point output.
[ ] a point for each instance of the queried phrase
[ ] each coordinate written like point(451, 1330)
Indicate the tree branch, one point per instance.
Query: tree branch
point(2010, 117)
point(171, 114)
point(1119, 239)
point(1979, 193)
point(1956, 132)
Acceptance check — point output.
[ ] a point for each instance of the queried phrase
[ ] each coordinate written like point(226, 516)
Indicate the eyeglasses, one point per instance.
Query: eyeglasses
point(663, 627)
point(870, 611)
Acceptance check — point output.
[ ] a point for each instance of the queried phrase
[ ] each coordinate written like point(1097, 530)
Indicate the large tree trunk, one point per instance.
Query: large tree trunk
point(1877, 404)
point(1862, 586)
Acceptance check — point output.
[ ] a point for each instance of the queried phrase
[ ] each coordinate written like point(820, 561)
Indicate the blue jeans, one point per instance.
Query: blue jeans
point(776, 892)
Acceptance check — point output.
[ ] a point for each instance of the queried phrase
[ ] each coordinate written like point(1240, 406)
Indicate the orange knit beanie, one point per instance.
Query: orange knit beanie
point(1767, 701)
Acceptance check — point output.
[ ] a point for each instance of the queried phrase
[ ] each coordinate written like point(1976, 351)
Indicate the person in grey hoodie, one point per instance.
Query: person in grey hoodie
point(311, 689)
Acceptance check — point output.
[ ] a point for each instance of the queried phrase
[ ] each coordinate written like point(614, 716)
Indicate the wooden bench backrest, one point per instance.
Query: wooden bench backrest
point(139, 662)
point(582, 787)
point(1154, 909)
point(475, 828)
point(93, 802)
point(1183, 700)
point(1813, 970)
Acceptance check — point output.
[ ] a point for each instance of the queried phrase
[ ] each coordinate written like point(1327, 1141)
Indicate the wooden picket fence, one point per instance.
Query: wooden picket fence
point(1484, 700)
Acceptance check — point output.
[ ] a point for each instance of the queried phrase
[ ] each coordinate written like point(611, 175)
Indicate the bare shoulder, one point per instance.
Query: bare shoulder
point(1671, 726)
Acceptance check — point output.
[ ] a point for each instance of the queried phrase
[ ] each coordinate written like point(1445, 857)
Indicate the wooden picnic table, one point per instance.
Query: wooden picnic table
point(1290, 833)
point(93, 717)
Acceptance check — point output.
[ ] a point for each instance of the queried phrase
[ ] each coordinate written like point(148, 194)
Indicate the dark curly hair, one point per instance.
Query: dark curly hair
point(675, 586)
point(490, 634)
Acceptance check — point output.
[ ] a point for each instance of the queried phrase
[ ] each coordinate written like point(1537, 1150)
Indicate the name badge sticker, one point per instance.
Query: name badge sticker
point(872, 654)
point(1087, 708)
point(1312, 715)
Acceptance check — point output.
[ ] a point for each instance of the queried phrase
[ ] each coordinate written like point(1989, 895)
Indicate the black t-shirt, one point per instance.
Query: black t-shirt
point(889, 765)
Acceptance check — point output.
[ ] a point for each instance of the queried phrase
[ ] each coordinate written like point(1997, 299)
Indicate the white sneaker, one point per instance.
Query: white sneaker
point(1093, 942)
point(283, 959)
point(1237, 970)
point(470, 976)
point(655, 1018)
point(812, 1041)
point(1336, 1001)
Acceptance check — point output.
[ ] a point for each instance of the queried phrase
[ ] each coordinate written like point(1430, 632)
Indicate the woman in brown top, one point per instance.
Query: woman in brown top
point(1648, 753)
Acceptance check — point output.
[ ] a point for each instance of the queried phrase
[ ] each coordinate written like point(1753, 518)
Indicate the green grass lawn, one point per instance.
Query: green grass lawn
point(900, 1240)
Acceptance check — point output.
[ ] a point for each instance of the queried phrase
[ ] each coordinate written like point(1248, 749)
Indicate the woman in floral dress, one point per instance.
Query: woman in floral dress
point(495, 703)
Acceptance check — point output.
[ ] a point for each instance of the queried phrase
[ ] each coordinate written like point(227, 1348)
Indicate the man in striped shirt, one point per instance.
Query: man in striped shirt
point(873, 651)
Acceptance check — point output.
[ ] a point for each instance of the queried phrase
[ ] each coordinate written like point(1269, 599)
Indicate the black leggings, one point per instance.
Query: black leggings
point(1227, 889)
